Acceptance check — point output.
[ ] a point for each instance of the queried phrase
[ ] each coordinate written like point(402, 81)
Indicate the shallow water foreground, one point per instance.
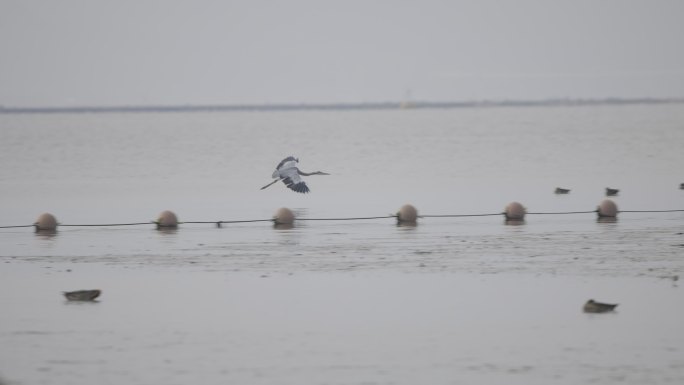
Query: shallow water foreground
point(450, 301)
point(157, 325)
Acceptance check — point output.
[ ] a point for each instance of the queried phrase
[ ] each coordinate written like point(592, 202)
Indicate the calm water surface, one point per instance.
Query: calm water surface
point(450, 301)
point(209, 166)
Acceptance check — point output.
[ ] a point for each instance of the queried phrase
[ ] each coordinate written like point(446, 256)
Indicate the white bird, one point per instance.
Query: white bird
point(288, 172)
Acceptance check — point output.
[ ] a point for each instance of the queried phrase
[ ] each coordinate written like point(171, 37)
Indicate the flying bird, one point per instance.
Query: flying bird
point(288, 172)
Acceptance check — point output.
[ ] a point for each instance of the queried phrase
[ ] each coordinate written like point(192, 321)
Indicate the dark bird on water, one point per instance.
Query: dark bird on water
point(288, 172)
point(597, 307)
point(611, 191)
point(562, 190)
point(82, 295)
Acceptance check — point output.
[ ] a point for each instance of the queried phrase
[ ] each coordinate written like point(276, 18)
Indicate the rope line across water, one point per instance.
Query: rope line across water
point(109, 224)
point(459, 215)
point(650, 211)
point(345, 219)
point(219, 223)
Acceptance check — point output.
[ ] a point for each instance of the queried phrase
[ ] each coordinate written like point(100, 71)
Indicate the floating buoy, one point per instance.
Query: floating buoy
point(515, 211)
point(283, 216)
point(167, 219)
point(607, 209)
point(46, 222)
point(407, 214)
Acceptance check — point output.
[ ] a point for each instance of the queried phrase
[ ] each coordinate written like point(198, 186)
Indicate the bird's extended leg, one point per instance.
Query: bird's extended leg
point(268, 185)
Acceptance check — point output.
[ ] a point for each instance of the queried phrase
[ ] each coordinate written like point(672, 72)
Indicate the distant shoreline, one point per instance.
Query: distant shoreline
point(338, 106)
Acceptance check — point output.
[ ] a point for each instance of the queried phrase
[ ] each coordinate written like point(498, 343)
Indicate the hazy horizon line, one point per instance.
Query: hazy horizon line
point(340, 106)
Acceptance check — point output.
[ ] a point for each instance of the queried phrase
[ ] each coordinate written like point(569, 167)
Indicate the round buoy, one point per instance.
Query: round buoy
point(283, 216)
point(167, 219)
point(607, 209)
point(46, 222)
point(407, 214)
point(515, 211)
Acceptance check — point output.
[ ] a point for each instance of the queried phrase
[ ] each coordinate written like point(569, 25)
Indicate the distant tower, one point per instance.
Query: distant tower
point(406, 103)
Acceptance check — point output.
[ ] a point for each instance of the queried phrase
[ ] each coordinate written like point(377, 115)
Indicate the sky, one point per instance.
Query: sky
point(137, 52)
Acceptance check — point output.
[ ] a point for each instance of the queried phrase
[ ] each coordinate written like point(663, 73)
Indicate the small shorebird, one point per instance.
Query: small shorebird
point(288, 172)
point(597, 307)
point(82, 295)
point(562, 190)
point(673, 278)
point(611, 191)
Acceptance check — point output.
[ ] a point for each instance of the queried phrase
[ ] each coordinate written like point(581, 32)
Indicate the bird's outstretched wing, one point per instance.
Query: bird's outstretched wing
point(288, 159)
point(295, 183)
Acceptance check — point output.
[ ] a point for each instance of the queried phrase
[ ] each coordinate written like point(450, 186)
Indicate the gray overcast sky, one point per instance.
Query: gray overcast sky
point(132, 52)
